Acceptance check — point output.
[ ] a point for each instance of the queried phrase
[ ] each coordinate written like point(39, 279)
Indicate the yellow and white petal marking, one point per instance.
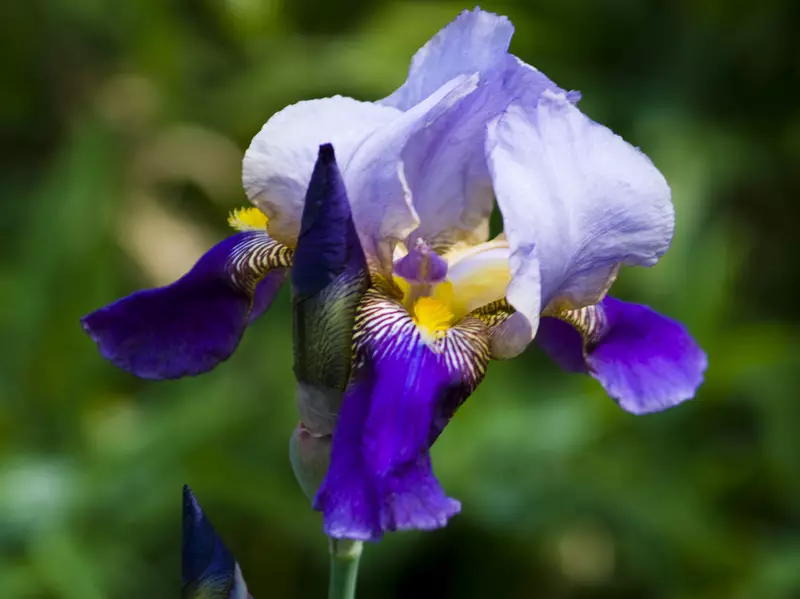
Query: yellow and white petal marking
point(248, 219)
point(383, 327)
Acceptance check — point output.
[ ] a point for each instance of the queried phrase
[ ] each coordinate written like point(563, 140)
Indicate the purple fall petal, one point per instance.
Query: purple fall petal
point(266, 290)
point(189, 326)
point(380, 478)
point(645, 361)
point(562, 343)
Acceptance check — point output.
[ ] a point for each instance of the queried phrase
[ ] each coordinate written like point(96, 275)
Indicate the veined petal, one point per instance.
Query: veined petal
point(474, 42)
point(209, 570)
point(329, 278)
point(445, 165)
point(277, 166)
point(645, 361)
point(376, 176)
point(193, 324)
point(380, 478)
point(576, 198)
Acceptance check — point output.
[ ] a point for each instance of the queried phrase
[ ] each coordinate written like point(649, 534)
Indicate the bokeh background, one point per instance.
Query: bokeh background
point(124, 125)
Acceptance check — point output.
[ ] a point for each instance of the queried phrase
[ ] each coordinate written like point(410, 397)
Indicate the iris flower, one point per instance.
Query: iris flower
point(208, 569)
point(400, 298)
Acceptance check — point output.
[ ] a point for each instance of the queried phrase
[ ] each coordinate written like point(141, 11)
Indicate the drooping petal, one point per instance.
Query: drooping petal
point(277, 166)
point(208, 570)
point(577, 201)
point(266, 290)
point(193, 324)
point(645, 361)
point(329, 278)
point(380, 478)
point(563, 343)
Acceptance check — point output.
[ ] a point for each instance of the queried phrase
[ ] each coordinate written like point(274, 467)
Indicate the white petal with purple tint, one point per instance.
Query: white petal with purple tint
point(278, 164)
point(475, 41)
point(576, 198)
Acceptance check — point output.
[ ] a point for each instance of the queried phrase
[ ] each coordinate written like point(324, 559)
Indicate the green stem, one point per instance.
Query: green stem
point(344, 568)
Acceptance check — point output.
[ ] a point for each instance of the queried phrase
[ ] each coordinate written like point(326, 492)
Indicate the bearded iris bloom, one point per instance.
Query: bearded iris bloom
point(400, 298)
point(208, 568)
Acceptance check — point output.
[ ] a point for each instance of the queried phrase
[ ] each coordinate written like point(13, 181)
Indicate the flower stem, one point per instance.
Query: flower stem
point(344, 568)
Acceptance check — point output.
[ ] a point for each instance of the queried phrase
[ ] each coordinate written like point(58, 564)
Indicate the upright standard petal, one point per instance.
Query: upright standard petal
point(380, 478)
point(277, 166)
point(193, 324)
point(445, 164)
point(645, 361)
point(329, 278)
point(474, 42)
point(209, 570)
point(577, 199)
point(376, 176)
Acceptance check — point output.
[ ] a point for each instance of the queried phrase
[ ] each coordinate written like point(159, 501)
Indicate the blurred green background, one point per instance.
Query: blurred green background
point(124, 125)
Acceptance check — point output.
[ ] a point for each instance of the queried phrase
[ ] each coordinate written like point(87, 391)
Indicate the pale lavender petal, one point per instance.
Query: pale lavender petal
point(376, 180)
point(278, 164)
point(577, 198)
point(445, 164)
point(474, 42)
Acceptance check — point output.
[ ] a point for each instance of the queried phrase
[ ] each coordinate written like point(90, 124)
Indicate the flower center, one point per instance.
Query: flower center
point(439, 292)
point(432, 317)
point(419, 274)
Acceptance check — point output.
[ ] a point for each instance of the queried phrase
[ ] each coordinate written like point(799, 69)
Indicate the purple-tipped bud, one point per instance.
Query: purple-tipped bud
point(329, 277)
